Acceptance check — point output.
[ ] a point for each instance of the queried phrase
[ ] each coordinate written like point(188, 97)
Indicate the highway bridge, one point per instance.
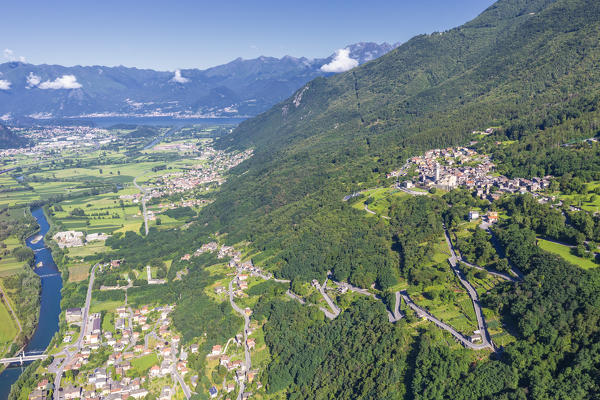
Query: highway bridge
point(21, 358)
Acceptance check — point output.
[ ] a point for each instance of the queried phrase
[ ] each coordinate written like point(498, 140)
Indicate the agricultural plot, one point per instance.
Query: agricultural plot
point(565, 253)
point(8, 263)
point(8, 329)
point(78, 272)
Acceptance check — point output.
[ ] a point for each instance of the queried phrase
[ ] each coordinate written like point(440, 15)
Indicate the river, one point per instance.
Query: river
point(49, 302)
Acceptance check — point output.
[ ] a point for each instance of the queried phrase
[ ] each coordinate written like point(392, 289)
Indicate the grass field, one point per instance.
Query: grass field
point(565, 253)
point(381, 199)
point(108, 322)
point(88, 249)
point(78, 272)
point(8, 328)
point(141, 365)
point(9, 264)
point(98, 306)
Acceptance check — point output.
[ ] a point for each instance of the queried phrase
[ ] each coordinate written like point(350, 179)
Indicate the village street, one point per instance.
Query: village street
point(248, 360)
point(71, 351)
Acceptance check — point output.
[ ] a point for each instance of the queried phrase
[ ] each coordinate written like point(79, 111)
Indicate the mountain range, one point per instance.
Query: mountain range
point(239, 88)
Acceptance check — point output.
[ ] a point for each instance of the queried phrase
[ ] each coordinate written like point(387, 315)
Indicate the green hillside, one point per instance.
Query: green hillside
point(518, 65)
point(527, 68)
point(9, 140)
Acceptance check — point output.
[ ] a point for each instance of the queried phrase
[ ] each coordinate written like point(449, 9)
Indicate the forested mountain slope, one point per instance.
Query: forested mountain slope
point(10, 140)
point(518, 64)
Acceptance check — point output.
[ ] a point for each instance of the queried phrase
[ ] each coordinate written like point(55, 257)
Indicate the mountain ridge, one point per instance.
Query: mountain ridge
point(238, 88)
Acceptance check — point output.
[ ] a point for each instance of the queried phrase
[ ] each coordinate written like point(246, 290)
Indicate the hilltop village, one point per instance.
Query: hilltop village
point(450, 168)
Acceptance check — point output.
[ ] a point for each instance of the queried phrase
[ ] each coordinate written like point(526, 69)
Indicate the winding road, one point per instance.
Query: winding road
point(486, 338)
point(335, 310)
point(424, 314)
point(246, 328)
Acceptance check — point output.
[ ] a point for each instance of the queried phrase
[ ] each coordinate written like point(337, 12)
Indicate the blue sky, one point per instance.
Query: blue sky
point(174, 34)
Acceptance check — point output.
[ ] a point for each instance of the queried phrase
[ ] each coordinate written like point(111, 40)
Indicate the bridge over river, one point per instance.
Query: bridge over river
point(23, 357)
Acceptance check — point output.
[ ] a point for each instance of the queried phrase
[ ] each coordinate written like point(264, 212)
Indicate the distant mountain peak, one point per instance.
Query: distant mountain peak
point(247, 86)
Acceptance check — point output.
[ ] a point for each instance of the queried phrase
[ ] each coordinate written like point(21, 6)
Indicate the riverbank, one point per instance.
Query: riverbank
point(50, 296)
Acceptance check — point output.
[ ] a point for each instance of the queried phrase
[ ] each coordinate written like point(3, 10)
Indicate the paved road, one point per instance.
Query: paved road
point(246, 327)
point(497, 274)
point(175, 374)
point(70, 352)
point(335, 310)
point(424, 314)
point(393, 316)
point(141, 189)
point(397, 314)
point(487, 340)
point(294, 296)
point(369, 211)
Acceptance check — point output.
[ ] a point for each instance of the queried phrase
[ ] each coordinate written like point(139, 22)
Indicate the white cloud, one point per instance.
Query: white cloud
point(178, 78)
point(341, 62)
point(33, 80)
point(64, 82)
point(4, 85)
point(10, 56)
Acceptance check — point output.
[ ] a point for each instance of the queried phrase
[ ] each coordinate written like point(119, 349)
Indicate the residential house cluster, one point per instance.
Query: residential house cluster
point(463, 167)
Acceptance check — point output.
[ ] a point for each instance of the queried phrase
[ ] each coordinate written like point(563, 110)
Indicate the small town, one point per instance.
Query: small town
point(211, 171)
point(140, 355)
point(452, 167)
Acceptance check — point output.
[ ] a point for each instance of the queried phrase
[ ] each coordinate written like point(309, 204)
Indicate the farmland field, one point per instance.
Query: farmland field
point(565, 253)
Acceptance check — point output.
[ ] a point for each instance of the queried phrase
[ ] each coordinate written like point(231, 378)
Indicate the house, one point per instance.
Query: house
point(224, 360)
point(230, 387)
point(115, 263)
point(216, 350)
point(194, 348)
point(154, 371)
point(473, 215)
point(476, 337)
point(251, 342)
point(122, 312)
point(73, 315)
point(213, 392)
point(248, 311)
point(492, 216)
point(220, 289)
point(186, 257)
point(96, 325)
point(72, 392)
point(242, 277)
